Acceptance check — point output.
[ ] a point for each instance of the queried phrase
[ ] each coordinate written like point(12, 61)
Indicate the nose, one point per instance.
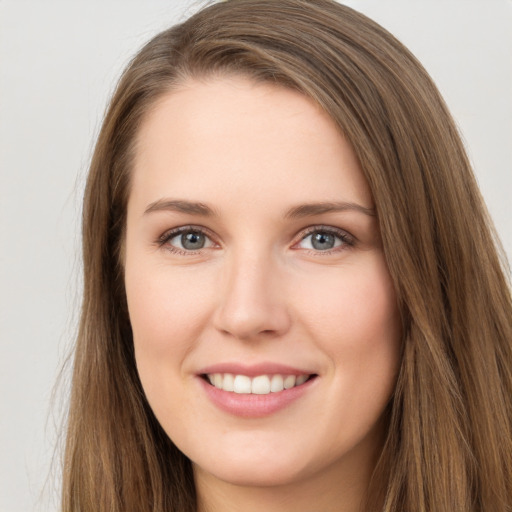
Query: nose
point(252, 303)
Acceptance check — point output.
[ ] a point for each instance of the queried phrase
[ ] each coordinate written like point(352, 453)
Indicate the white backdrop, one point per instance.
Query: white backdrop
point(58, 64)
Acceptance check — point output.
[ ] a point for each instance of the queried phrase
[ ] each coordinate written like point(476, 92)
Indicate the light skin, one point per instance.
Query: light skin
point(287, 268)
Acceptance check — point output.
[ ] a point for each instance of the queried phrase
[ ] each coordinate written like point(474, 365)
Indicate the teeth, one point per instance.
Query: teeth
point(242, 384)
point(301, 379)
point(228, 383)
point(276, 384)
point(217, 380)
point(289, 381)
point(260, 385)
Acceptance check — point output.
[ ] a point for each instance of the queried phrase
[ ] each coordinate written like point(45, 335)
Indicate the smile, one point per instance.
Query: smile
point(257, 385)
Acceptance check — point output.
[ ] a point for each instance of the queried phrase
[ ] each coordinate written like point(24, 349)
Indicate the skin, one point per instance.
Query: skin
point(259, 291)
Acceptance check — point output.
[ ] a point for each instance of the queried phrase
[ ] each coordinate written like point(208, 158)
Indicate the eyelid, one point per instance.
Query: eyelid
point(347, 239)
point(171, 233)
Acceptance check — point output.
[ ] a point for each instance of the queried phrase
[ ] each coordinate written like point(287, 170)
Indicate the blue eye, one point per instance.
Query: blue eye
point(324, 240)
point(187, 240)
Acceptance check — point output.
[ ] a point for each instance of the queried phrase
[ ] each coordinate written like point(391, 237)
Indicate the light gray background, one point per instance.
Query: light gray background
point(58, 63)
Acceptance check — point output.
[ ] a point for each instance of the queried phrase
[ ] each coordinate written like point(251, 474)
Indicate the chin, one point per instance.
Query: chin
point(255, 471)
point(255, 477)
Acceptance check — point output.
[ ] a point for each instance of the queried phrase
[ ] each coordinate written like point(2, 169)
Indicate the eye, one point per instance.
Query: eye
point(186, 239)
point(323, 239)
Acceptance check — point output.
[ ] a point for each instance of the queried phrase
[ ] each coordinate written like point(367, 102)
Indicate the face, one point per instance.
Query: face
point(265, 323)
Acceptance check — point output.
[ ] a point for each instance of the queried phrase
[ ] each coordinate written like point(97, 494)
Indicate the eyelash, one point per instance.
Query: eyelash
point(169, 235)
point(346, 239)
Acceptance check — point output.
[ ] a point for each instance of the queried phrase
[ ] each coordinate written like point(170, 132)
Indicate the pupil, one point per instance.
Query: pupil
point(322, 241)
point(192, 241)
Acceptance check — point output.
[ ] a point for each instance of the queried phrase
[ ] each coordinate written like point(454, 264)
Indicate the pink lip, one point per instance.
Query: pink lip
point(254, 406)
point(254, 370)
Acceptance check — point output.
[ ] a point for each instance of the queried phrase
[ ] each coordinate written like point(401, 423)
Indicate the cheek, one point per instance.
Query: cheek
point(167, 312)
point(166, 308)
point(356, 304)
point(355, 320)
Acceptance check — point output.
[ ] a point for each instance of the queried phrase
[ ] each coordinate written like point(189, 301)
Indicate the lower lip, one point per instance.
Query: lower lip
point(254, 406)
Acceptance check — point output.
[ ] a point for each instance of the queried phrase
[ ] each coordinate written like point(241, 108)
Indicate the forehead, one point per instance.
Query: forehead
point(246, 140)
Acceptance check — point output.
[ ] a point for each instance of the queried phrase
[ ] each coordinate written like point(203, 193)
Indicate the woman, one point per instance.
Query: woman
point(292, 295)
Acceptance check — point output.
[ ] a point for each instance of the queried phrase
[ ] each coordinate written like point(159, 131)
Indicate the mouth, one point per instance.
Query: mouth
point(256, 385)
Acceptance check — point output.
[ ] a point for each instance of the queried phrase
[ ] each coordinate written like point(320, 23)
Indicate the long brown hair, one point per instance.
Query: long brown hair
point(449, 441)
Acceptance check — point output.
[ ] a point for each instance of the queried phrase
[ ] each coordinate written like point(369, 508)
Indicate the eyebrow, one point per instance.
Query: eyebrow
point(177, 205)
point(297, 212)
point(311, 209)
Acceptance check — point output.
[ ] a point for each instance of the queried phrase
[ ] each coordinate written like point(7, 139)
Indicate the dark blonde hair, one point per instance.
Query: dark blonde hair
point(449, 439)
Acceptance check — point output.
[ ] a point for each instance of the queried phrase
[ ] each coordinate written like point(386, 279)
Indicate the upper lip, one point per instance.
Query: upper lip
point(253, 370)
